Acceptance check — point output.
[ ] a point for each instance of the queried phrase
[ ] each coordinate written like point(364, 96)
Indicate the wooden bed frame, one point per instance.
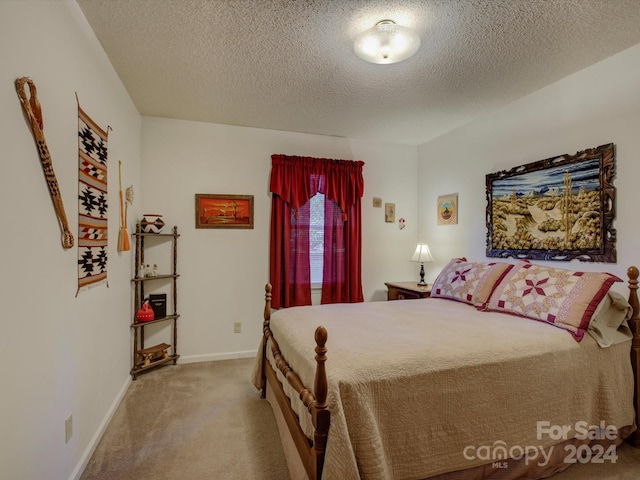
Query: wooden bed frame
point(312, 452)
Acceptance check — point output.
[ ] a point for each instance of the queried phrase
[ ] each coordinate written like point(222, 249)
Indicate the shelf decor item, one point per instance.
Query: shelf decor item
point(158, 302)
point(146, 357)
point(152, 223)
point(145, 313)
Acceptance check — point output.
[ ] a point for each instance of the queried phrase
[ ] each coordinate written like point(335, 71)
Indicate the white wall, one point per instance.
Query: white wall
point(223, 271)
point(61, 354)
point(598, 105)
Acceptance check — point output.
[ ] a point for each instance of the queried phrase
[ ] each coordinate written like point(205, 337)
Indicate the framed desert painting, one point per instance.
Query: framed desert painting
point(224, 211)
point(560, 208)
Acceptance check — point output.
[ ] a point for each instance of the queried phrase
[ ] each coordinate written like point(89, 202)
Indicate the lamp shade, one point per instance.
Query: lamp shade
point(386, 42)
point(422, 254)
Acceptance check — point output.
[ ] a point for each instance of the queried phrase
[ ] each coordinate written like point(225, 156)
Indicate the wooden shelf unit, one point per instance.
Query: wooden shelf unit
point(139, 296)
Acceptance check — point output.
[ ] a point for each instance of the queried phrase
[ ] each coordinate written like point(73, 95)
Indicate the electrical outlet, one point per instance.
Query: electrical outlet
point(237, 327)
point(68, 428)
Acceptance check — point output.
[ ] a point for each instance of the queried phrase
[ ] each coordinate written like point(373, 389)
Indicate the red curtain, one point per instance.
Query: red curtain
point(294, 180)
point(290, 274)
point(342, 273)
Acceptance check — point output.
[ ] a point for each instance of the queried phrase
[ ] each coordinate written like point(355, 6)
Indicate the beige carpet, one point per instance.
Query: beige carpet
point(206, 421)
point(198, 421)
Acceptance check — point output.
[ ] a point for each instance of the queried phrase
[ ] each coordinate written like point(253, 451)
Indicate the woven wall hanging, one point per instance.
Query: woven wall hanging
point(92, 203)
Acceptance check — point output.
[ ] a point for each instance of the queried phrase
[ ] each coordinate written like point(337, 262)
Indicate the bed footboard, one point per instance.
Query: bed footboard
point(311, 452)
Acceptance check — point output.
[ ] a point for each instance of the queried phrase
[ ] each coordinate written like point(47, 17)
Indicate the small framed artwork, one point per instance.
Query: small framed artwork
point(448, 209)
point(377, 202)
point(224, 211)
point(390, 212)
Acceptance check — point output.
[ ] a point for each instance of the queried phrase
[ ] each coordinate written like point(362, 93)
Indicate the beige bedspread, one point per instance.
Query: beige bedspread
point(422, 387)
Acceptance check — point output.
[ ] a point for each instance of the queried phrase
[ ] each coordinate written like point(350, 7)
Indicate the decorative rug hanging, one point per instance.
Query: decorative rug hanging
point(92, 203)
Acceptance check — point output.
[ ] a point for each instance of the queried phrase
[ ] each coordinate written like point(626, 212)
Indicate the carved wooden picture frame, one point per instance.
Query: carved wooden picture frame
point(559, 208)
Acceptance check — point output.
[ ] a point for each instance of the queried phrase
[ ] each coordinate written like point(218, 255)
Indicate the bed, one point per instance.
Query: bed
point(460, 385)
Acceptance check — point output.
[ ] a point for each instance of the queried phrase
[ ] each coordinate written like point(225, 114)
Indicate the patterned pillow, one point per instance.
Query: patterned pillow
point(468, 282)
point(563, 298)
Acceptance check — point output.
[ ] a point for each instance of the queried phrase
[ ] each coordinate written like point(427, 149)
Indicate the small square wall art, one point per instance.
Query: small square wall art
point(448, 209)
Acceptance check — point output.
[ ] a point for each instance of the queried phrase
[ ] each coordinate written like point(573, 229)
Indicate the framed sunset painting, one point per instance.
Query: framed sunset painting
point(224, 211)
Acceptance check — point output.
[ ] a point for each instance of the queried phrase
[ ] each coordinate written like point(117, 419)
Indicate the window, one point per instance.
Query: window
point(316, 239)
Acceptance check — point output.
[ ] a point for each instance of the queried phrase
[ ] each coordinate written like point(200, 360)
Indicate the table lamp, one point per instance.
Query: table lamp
point(422, 255)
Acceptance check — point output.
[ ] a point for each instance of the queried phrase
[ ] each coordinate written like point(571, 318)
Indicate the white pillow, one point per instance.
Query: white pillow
point(609, 325)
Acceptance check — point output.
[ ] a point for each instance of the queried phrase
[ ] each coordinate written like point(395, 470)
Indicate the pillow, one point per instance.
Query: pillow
point(468, 282)
point(609, 325)
point(563, 298)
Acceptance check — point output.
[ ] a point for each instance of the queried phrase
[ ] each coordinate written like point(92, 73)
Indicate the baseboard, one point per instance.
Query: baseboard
point(93, 444)
point(210, 357)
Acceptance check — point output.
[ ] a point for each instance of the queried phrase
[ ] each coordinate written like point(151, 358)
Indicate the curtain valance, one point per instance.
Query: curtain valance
point(297, 179)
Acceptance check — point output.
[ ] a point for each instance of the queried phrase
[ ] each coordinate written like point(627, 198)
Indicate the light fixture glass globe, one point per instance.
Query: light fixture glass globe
point(386, 42)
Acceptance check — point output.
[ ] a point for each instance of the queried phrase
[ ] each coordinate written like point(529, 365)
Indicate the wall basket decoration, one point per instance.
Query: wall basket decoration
point(560, 208)
point(224, 211)
point(448, 209)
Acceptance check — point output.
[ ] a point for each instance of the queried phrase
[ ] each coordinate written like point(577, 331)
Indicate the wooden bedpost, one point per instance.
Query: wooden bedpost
point(634, 324)
point(267, 304)
point(311, 453)
point(321, 414)
point(265, 328)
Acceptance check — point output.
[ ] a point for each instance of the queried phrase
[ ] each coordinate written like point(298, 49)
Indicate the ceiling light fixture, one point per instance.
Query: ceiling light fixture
point(386, 42)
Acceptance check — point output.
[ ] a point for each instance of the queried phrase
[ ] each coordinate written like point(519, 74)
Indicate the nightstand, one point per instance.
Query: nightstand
point(406, 290)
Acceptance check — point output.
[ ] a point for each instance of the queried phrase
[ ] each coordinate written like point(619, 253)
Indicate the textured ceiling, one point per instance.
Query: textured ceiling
point(289, 64)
